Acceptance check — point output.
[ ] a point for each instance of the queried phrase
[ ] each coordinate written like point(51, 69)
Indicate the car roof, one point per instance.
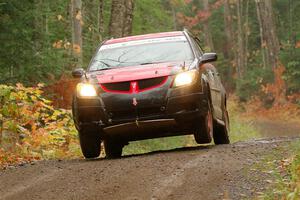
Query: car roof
point(143, 37)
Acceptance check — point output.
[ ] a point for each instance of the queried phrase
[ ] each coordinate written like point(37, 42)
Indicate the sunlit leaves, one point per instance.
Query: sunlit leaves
point(32, 124)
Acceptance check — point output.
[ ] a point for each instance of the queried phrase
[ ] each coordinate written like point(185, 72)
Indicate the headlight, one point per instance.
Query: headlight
point(185, 78)
point(86, 90)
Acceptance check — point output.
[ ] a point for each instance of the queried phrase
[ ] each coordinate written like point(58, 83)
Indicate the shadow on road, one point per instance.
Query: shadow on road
point(180, 149)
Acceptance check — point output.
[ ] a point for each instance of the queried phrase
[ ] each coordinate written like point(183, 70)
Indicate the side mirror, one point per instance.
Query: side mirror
point(208, 57)
point(78, 73)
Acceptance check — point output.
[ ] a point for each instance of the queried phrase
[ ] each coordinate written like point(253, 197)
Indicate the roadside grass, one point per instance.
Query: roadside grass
point(285, 172)
point(241, 128)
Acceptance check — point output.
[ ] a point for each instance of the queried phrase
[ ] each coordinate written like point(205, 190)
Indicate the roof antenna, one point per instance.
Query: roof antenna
point(85, 76)
point(183, 67)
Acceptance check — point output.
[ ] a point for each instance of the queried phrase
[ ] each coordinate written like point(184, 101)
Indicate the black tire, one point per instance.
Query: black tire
point(221, 131)
point(204, 128)
point(113, 149)
point(90, 142)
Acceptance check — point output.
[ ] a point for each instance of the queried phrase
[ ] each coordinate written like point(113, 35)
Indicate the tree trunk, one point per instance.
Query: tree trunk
point(240, 42)
point(246, 30)
point(228, 31)
point(262, 40)
point(128, 17)
point(117, 18)
point(76, 18)
point(270, 44)
point(174, 18)
point(230, 50)
point(268, 31)
point(100, 19)
point(206, 28)
point(230, 45)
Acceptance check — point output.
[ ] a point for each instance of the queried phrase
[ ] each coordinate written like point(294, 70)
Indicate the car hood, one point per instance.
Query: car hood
point(139, 72)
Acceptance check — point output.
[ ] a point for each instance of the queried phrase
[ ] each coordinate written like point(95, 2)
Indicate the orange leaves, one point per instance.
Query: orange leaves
point(297, 45)
point(32, 125)
point(58, 44)
point(61, 44)
point(76, 48)
point(9, 158)
point(200, 16)
point(61, 91)
point(277, 89)
point(79, 17)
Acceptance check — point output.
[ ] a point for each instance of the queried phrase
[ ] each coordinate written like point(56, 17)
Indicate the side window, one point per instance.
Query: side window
point(199, 46)
point(196, 47)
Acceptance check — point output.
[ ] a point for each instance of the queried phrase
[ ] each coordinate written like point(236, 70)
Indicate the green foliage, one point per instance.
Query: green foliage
point(291, 61)
point(37, 35)
point(286, 173)
point(240, 129)
point(29, 29)
point(151, 17)
point(251, 84)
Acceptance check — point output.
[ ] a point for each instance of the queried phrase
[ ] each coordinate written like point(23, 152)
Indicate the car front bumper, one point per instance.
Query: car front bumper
point(174, 114)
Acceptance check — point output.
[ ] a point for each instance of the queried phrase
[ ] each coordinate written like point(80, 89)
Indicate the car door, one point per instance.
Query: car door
point(215, 85)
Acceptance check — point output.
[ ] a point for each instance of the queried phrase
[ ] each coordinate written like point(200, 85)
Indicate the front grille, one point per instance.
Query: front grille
point(121, 86)
point(133, 114)
point(149, 83)
point(142, 84)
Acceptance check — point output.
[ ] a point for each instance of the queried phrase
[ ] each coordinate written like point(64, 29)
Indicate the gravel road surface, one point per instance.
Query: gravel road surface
point(202, 172)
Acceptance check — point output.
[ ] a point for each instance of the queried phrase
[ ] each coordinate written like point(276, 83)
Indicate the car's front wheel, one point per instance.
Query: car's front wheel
point(90, 142)
point(204, 128)
point(221, 131)
point(113, 149)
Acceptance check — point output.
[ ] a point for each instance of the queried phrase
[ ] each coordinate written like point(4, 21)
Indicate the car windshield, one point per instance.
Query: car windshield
point(141, 54)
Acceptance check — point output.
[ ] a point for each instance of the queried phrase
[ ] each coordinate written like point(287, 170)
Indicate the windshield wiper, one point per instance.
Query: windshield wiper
point(148, 63)
point(107, 66)
point(105, 63)
point(102, 69)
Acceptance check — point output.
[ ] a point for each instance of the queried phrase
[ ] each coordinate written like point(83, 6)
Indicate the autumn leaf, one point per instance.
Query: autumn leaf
point(79, 17)
point(41, 85)
point(297, 45)
point(76, 48)
point(60, 17)
point(58, 44)
point(27, 115)
point(67, 45)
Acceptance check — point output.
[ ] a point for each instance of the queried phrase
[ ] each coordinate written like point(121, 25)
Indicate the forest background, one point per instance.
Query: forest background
point(42, 41)
point(257, 41)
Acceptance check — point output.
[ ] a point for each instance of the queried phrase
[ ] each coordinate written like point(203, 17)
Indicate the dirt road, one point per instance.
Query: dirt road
point(211, 172)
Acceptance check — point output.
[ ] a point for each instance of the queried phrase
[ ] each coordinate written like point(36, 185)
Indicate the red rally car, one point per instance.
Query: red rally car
point(149, 86)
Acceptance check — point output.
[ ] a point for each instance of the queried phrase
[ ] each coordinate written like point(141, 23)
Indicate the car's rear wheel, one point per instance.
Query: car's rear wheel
point(113, 149)
point(204, 129)
point(221, 131)
point(90, 142)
